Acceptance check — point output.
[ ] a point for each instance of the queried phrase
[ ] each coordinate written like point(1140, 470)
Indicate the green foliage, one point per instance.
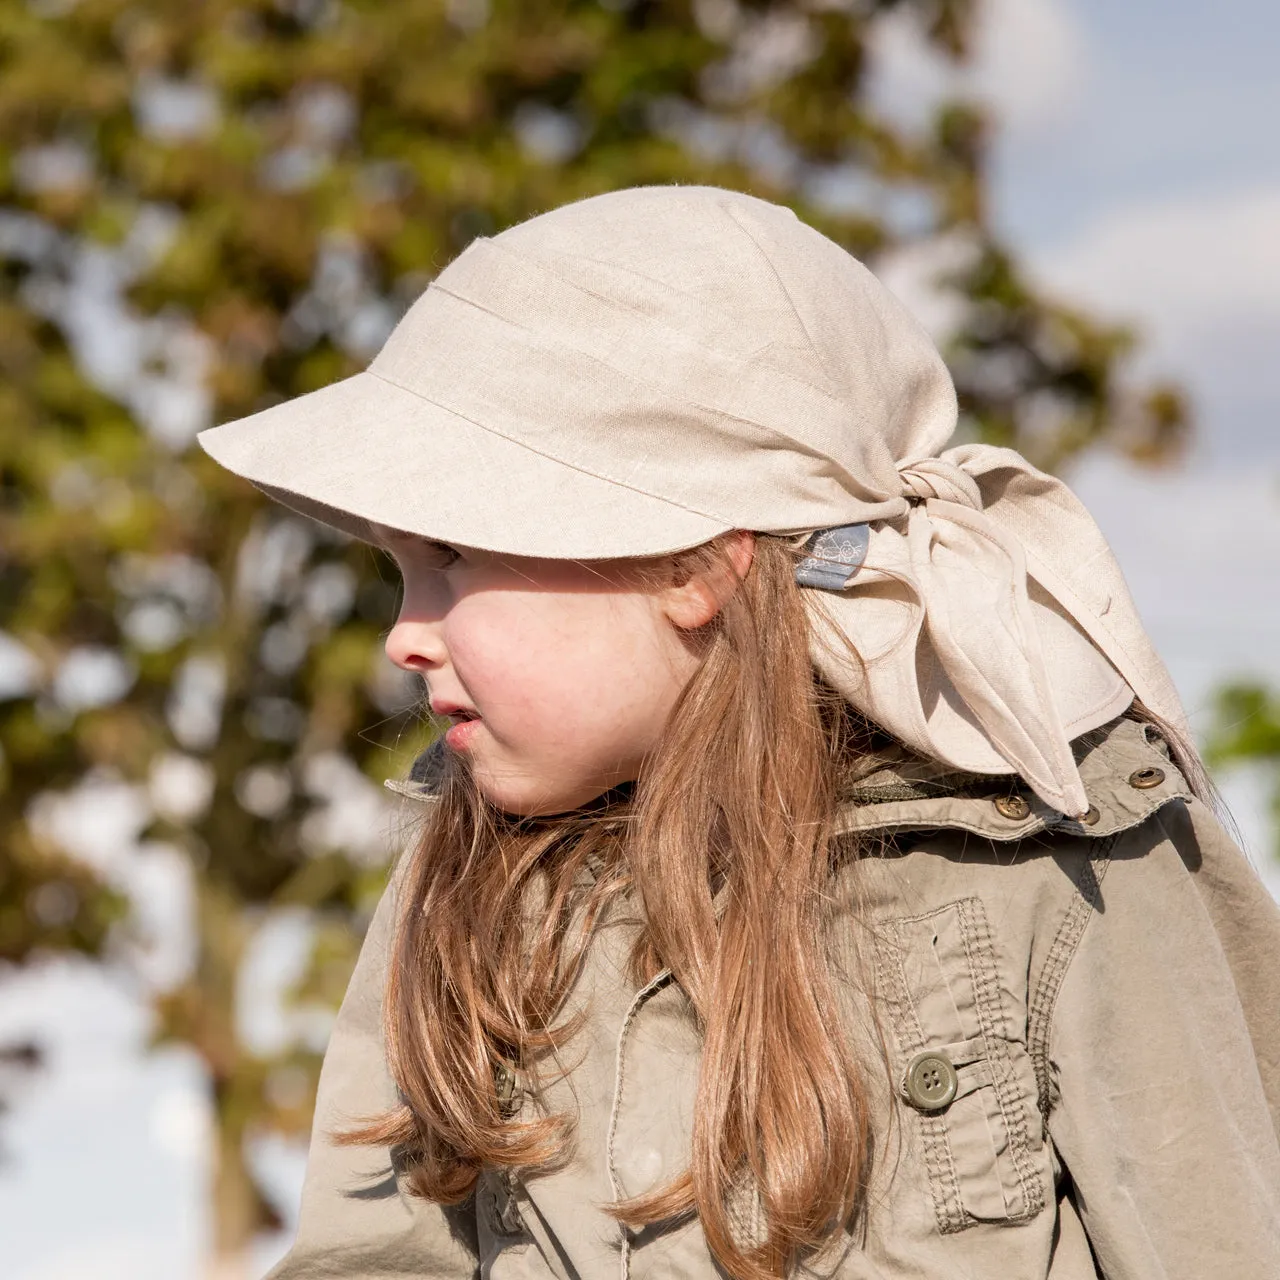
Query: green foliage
point(1246, 730)
point(273, 182)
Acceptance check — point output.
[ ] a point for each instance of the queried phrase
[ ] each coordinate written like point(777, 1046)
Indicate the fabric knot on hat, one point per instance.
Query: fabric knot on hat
point(925, 478)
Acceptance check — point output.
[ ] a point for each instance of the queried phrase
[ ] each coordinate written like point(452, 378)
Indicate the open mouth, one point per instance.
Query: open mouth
point(462, 728)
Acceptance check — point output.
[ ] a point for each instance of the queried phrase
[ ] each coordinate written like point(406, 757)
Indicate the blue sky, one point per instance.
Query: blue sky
point(1171, 99)
point(1152, 187)
point(1139, 172)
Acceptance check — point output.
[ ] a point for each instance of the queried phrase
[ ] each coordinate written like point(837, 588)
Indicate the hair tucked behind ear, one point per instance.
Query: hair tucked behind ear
point(726, 843)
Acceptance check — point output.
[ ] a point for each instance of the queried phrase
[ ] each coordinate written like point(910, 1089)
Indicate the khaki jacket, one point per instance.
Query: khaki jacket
point(1083, 1026)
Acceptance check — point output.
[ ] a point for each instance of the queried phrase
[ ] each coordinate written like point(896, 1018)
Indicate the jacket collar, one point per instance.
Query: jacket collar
point(1126, 767)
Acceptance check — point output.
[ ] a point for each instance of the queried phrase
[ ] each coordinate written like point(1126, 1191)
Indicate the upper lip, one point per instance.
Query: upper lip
point(443, 707)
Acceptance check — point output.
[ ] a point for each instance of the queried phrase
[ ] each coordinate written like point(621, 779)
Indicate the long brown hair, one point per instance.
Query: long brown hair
point(725, 843)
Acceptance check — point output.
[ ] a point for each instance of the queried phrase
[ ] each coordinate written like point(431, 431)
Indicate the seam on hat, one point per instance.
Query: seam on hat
point(827, 391)
point(720, 314)
point(786, 293)
point(799, 445)
point(554, 269)
point(552, 266)
point(551, 457)
point(725, 316)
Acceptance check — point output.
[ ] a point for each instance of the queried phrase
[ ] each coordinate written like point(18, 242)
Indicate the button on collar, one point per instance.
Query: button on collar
point(1015, 808)
point(906, 794)
point(1145, 779)
point(930, 1082)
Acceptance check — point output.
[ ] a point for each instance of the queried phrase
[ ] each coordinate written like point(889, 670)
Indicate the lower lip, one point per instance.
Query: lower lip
point(461, 733)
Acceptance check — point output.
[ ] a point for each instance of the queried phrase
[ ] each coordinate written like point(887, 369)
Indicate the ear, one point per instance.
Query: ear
point(695, 599)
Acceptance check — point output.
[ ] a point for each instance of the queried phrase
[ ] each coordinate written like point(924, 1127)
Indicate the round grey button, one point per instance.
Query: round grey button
point(930, 1082)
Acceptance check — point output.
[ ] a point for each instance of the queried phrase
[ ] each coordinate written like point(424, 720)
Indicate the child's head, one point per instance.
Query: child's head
point(645, 371)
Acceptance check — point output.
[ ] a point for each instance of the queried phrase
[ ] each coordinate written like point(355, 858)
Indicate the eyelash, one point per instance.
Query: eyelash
point(448, 554)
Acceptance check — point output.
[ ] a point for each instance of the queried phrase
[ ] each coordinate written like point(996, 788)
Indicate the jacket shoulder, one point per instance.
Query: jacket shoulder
point(980, 890)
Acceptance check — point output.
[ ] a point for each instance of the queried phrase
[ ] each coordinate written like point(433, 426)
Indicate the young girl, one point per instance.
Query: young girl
point(814, 877)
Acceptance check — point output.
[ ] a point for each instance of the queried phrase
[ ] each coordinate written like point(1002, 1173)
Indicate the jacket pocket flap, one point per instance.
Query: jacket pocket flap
point(972, 1103)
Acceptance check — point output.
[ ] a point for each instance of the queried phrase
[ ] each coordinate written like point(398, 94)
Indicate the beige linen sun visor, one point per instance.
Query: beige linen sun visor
point(638, 372)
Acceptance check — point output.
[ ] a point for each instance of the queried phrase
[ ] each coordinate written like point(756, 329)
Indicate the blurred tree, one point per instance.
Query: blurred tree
point(1246, 730)
point(210, 205)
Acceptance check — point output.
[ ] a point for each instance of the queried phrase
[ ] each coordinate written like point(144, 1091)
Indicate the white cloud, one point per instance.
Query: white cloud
point(1030, 62)
point(92, 676)
point(1246, 791)
point(275, 960)
point(1198, 559)
point(122, 1257)
point(1199, 276)
point(1187, 265)
point(20, 669)
point(91, 1111)
point(1028, 66)
point(181, 786)
point(351, 813)
point(98, 821)
point(912, 273)
point(181, 1124)
point(174, 109)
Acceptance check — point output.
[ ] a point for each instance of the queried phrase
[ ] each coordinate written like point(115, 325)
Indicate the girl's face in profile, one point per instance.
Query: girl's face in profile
point(557, 676)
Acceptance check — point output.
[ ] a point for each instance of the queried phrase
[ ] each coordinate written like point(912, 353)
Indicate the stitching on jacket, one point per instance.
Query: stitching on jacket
point(655, 983)
point(993, 1024)
point(940, 1170)
point(975, 932)
point(1061, 952)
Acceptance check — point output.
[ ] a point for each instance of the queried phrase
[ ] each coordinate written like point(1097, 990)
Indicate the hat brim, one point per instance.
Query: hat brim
point(365, 450)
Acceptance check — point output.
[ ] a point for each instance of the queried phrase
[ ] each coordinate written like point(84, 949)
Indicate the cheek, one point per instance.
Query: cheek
point(565, 665)
point(491, 650)
point(497, 640)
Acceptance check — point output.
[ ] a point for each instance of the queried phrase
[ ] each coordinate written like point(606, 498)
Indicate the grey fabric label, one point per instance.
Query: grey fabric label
point(835, 556)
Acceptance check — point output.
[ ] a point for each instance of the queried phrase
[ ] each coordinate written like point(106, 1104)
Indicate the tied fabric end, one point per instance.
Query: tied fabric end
point(835, 556)
point(1065, 795)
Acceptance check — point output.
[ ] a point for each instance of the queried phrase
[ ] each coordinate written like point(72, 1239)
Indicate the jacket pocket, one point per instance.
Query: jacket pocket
point(961, 1067)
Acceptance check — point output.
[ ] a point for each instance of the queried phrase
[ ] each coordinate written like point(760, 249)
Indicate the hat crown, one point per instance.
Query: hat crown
point(693, 258)
point(732, 322)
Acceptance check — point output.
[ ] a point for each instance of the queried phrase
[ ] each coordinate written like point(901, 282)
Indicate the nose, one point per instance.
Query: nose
point(415, 644)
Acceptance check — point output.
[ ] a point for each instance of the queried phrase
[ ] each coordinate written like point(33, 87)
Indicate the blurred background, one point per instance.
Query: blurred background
point(210, 205)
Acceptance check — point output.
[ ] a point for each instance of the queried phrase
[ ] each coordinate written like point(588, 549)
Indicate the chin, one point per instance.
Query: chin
point(524, 798)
